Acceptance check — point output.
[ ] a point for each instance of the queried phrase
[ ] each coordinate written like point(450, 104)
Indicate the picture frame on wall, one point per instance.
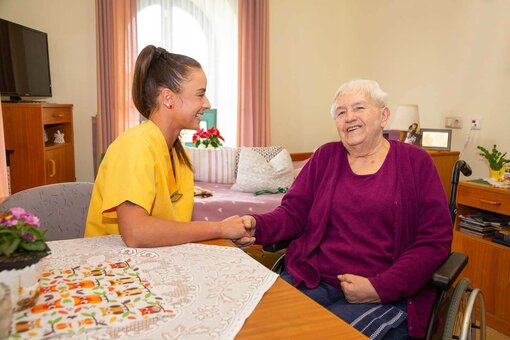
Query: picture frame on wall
point(436, 139)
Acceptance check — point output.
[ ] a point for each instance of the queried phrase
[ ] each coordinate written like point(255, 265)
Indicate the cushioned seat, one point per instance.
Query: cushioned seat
point(61, 208)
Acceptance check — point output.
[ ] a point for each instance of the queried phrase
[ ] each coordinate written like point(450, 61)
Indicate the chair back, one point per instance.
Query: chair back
point(62, 208)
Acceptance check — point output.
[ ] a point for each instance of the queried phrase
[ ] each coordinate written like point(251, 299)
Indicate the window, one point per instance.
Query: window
point(205, 30)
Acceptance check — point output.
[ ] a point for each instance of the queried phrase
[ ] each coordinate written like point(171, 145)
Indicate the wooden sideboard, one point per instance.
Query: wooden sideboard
point(488, 267)
point(444, 161)
point(34, 162)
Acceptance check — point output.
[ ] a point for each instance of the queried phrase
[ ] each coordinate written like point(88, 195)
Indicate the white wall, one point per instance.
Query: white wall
point(449, 57)
point(71, 32)
point(452, 58)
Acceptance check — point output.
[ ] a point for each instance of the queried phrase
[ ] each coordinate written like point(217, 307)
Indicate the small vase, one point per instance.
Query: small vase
point(22, 279)
point(495, 174)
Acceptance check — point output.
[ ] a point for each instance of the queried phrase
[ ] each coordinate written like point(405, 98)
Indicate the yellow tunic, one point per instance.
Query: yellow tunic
point(137, 168)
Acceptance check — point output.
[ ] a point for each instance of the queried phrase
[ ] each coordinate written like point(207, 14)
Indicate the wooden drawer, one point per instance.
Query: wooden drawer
point(484, 197)
point(55, 115)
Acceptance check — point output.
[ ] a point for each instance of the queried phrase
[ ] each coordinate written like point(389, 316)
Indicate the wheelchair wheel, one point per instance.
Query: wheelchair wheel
point(279, 265)
point(461, 320)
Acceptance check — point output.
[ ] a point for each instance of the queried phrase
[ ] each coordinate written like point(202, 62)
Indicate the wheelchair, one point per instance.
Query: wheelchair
point(459, 310)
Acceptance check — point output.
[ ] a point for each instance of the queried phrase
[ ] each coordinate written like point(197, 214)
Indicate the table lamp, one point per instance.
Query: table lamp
point(404, 116)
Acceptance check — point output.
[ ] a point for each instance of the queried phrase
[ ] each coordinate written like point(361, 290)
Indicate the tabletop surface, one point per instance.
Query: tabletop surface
point(193, 291)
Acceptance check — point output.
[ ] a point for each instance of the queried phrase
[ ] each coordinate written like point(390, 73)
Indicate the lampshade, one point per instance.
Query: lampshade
point(404, 116)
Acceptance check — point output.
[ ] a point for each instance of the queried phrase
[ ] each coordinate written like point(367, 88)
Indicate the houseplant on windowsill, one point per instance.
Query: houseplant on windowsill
point(496, 160)
point(22, 246)
point(210, 137)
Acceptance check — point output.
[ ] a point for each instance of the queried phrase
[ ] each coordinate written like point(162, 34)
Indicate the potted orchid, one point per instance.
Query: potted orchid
point(22, 246)
point(208, 137)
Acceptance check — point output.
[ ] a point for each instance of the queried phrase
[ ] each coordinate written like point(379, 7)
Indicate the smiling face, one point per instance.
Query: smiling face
point(190, 103)
point(359, 120)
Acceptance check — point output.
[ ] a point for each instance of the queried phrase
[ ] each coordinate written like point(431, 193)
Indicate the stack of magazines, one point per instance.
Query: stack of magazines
point(480, 225)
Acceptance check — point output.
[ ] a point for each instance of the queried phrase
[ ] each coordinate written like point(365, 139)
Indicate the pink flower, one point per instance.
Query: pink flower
point(30, 219)
point(20, 233)
point(29, 237)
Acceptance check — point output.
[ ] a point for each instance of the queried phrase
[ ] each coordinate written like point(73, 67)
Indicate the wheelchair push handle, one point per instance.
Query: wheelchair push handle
point(460, 166)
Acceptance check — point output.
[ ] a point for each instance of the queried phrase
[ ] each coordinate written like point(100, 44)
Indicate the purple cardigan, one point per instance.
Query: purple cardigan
point(422, 240)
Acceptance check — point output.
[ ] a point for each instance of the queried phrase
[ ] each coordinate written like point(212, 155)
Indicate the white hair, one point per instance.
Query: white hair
point(369, 88)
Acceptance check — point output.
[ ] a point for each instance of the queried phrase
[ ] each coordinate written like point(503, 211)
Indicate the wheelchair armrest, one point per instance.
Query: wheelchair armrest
point(273, 248)
point(446, 275)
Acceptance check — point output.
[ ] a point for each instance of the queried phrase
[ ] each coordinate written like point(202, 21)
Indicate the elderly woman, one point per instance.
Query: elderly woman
point(368, 220)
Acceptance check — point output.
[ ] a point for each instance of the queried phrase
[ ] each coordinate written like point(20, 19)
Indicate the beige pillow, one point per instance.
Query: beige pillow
point(255, 173)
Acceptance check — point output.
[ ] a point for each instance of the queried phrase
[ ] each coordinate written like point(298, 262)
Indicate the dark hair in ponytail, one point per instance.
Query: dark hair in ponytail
point(156, 68)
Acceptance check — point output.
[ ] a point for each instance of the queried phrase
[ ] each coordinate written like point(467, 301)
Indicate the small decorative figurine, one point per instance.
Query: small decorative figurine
point(59, 137)
point(45, 137)
point(412, 134)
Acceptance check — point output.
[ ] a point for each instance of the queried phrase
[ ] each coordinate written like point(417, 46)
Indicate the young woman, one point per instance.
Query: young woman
point(144, 187)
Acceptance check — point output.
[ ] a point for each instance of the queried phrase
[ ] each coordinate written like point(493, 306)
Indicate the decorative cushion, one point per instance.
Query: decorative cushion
point(255, 173)
point(213, 165)
point(268, 152)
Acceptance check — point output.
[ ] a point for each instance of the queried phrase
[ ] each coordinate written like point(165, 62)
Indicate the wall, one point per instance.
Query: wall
point(72, 49)
point(449, 57)
point(452, 58)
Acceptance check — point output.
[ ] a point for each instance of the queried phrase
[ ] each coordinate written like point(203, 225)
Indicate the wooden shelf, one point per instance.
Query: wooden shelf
point(488, 267)
point(33, 162)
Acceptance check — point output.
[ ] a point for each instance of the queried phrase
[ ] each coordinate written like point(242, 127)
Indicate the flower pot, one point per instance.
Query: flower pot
point(22, 279)
point(495, 174)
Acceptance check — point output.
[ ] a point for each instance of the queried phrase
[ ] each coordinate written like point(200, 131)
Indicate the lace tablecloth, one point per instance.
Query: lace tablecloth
point(211, 290)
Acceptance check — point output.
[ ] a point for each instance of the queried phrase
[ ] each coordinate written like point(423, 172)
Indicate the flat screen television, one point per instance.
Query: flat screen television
point(24, 62)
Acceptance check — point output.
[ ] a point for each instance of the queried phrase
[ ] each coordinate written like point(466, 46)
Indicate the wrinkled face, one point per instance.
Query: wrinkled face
point(359, 120)
point(190, 104)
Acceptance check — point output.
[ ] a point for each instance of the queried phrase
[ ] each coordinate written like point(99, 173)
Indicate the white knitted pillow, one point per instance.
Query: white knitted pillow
point(254, 173)
point(267, 151)
point(213, 165)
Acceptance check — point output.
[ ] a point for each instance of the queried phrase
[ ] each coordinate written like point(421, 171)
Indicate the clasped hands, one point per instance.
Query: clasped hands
point(241, 230)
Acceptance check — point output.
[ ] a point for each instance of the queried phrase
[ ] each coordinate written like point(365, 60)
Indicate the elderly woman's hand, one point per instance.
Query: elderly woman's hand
point(358, 289)
point(249, 225)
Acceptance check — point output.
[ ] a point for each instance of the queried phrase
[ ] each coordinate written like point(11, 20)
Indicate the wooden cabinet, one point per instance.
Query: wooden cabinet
point(489, 263)
point(34, 162)
point(444, 161)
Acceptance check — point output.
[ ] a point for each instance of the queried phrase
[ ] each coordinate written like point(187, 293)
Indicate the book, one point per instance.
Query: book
point(476, 227)
point(475, 233)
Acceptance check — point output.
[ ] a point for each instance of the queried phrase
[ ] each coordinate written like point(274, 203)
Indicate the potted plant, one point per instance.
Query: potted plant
point(496, 160)
point(210, 137)
point(22, 246)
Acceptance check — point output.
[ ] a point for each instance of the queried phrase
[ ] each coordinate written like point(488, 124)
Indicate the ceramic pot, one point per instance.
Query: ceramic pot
point(495, 174)
point(22, 279)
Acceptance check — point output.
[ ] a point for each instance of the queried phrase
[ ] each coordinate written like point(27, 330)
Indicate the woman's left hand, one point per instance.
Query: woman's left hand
point(358, 289)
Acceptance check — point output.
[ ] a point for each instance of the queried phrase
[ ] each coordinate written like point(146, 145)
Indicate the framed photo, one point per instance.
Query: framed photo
point(436, 139)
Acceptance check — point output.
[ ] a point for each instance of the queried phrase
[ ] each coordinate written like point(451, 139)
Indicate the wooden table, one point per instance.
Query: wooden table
point(286, 313)
point(209, 301)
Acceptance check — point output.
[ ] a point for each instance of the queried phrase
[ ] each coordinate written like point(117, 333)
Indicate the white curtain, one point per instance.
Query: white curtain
point(205, 30)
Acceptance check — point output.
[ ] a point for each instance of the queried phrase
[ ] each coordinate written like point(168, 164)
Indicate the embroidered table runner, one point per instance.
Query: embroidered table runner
point(75, 300)
point(191, 291)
